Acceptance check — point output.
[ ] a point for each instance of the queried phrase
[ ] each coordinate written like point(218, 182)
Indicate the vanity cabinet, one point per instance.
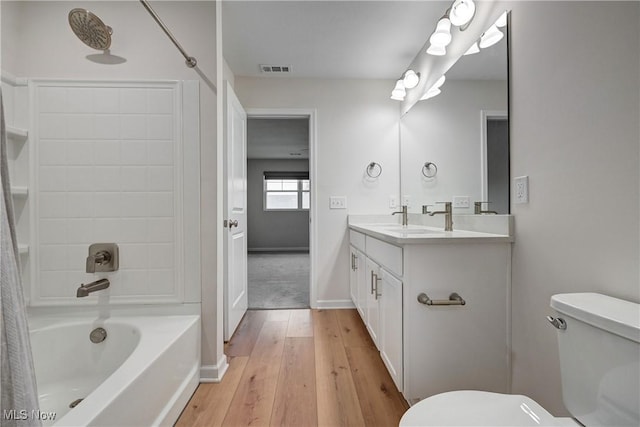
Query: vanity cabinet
point(431, 349)
point(378, 298)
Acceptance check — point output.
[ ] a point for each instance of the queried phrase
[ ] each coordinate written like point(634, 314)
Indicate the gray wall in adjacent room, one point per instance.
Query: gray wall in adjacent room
point(269, 230)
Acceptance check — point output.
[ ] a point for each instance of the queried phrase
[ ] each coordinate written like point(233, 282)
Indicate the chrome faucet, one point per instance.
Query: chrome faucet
point(477, 209)
point(405, 217)
point(448, 215)
point(85, 290)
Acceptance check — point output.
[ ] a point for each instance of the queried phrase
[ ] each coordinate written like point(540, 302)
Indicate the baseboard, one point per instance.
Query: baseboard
point(214, 373)
point(334, 303)
point(278, 249)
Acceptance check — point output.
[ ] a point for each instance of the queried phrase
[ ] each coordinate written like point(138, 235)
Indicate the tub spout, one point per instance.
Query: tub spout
point(85, 290)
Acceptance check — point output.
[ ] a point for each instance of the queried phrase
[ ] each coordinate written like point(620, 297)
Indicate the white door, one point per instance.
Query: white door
point(235, 298)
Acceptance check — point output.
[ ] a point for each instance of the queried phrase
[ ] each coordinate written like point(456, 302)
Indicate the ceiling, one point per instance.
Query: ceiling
point(336, 39)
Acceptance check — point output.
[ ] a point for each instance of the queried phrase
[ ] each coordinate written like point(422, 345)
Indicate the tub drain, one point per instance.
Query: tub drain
point(98, 335)
point(75, 403)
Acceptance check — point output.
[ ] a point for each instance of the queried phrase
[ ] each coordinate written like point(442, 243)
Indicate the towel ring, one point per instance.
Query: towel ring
point(429, 170)
point(374, 170)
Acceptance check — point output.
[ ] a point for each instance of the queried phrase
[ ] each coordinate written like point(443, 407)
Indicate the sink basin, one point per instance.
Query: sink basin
point(413, 231)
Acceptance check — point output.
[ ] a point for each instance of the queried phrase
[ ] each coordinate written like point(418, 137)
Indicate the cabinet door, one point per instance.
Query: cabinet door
point(353, 275)
point(373, 302)
point(391, 326)
point(362, 285)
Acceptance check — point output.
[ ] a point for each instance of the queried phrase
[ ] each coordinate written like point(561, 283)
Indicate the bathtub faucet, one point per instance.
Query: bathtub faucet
point(85, 290)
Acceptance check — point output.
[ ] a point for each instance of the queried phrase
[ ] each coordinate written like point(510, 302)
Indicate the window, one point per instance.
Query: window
point(286, 191)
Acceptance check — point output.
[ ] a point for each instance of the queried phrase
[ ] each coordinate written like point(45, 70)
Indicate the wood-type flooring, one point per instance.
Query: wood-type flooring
point(299, 368)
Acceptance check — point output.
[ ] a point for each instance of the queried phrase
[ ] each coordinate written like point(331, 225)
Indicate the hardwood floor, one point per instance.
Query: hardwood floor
point(299, 368)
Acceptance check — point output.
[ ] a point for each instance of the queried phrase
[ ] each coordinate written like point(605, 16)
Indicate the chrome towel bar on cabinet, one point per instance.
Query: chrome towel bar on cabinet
point(454, 299)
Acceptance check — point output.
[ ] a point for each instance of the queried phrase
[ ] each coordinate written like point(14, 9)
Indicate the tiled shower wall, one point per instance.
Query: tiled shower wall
point(107, 168)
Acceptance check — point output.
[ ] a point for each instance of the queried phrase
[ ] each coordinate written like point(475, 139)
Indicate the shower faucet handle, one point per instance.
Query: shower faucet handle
point(103, 257)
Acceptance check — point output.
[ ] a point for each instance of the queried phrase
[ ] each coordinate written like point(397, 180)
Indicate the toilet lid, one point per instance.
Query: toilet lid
point(477, 408)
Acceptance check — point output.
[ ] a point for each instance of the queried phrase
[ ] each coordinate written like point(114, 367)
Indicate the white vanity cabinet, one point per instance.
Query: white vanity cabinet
point(430, 349)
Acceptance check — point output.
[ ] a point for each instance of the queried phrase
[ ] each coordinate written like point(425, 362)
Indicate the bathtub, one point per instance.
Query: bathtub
point(142, 374)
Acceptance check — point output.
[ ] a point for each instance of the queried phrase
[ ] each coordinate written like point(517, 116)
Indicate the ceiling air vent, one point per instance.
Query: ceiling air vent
point(275, 69)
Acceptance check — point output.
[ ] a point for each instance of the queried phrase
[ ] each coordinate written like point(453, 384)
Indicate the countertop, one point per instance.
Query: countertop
point(396, 234)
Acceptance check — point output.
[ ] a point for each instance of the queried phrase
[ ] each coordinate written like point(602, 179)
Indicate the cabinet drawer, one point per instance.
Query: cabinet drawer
point(387, 255)
point(356, 239)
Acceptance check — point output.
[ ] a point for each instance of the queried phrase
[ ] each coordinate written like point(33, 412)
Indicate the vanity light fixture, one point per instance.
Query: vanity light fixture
point(440, 38)
point(462, 12)
point(436, 50)
point(490, 37)
point(434, 90)
point(442, 35)
point(398, 93)
point(473, 49)
point(502, 20)
point(411, 79)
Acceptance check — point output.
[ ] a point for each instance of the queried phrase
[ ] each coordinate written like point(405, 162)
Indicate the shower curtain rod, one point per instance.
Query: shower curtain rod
point(190, 60)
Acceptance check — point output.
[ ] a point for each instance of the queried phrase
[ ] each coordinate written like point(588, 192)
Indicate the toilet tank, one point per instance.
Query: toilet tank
point(600, 358)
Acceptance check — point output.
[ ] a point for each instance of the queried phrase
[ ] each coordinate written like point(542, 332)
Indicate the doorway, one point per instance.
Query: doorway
point(278, 212)
point(495, 161)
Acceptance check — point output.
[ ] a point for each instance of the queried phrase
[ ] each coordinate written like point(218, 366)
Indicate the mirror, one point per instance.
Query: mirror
point(455, 146)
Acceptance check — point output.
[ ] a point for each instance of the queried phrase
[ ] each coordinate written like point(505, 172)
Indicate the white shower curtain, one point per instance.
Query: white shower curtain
point(18, 394)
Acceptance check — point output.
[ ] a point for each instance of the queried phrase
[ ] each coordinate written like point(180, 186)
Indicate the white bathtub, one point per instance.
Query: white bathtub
point(142, 374)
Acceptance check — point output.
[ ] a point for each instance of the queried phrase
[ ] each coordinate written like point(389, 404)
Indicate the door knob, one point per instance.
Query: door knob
point(233, 223)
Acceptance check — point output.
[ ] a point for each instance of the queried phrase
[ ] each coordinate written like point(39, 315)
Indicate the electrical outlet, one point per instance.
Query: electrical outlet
point(393, 202)
point(406, 200)
point(521, 189)
point(337, 202)
point(460, 201)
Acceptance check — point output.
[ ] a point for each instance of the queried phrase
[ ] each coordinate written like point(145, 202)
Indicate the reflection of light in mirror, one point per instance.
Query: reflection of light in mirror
point(442, 35)
point(411, 79)
point(434, 90)
point(473, 49)
point(462, 12)
point(398, 93)
point(492, 36)
point(502, 20)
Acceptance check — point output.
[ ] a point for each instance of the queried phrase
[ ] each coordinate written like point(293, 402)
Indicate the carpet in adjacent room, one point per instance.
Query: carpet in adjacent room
point(278, 280)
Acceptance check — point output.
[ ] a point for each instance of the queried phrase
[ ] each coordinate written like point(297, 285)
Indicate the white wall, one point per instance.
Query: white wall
point(38, 43)
point(357, 123)
point(446, 130)
point(574, 132)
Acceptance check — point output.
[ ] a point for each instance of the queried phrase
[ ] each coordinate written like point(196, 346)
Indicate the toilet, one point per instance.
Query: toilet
point(599, 347)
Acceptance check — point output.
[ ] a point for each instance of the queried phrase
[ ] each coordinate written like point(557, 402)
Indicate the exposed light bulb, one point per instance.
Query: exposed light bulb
point(435, 89)
point(439, 82)
point(473, 49)
point(398, 93)
point(442, 35)
point(431, 93)
point(436, 50)
point(502, 21)
point(462, 12)
point(492, 36)
point(411, 79)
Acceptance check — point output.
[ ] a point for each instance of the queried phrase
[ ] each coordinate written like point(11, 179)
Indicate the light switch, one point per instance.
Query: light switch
point(337, 202)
